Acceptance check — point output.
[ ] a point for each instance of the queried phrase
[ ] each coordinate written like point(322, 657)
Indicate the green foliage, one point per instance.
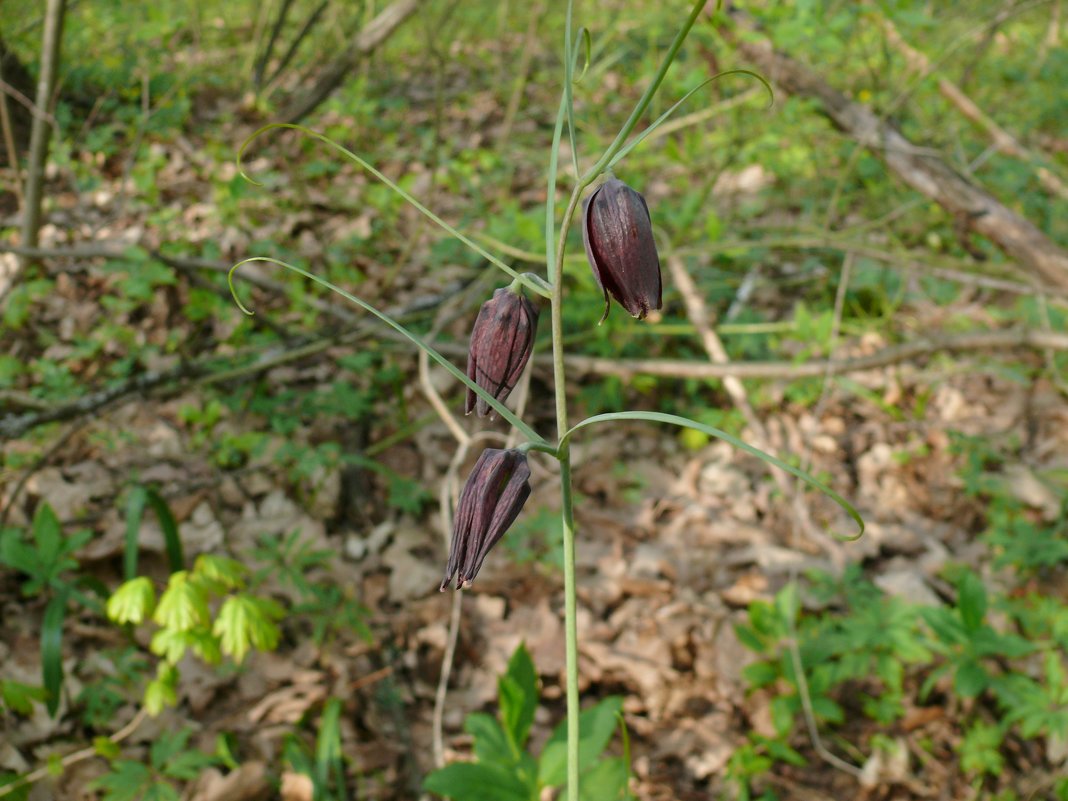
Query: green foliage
point(184, 615)
point(19, 698)
point(45, 556)
point(865, 648)
point(170, 760)
point(329, 608)
point(504, 769)
point(324, 764)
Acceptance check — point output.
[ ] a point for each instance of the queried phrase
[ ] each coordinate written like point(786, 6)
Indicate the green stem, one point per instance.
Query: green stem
point(647, 97)
point(566, 500)
point(570, 629)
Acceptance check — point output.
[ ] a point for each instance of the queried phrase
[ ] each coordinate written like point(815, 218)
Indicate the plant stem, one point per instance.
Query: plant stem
point(566, 501)
point(570, 629)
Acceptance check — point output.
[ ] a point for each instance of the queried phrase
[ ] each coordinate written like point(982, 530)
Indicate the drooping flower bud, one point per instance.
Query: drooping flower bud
point(489, 503)
point(618, 234)
point(501, 343)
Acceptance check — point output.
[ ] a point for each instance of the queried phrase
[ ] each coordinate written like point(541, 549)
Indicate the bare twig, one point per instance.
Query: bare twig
point(261, 62)
point(36, 111)
point(974, 208)
point(894, 354)
point(295, 45)
point(366, 42)
point(77, 756)
point(204, 371)
point(9, 141)
point(698, 313)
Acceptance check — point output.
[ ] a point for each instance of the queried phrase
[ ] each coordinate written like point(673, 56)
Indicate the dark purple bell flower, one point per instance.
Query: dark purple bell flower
point(489, 503)
point(501, 343)
point(618, 234)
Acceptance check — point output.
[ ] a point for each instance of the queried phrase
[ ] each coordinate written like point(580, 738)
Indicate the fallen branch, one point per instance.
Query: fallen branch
point(894, 354)
point(205, 371)
point(920, 169)
point(1002, 139)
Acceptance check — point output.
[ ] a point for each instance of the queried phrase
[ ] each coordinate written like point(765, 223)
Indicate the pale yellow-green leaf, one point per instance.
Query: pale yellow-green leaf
point(133, 601)
point(228, 573)
point(162, 692)
point(183, 605)
point(245, 622)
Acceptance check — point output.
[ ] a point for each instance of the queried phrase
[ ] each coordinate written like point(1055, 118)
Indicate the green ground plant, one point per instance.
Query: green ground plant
point(1001, 654)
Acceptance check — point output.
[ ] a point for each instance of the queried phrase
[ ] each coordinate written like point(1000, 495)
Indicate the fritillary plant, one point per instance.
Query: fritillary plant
point(617, 233)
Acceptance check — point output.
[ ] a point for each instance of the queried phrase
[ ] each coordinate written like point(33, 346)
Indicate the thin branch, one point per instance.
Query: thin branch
point(261, 63)
point(366, 42)
point(974, 208)
point(9, 141)
point(292, 51)
point(77, 756)
point(40, 131)
point(205, 371)
point(1006, 339)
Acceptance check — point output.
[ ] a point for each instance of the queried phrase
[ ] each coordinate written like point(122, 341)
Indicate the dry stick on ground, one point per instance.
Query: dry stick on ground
point(697, 311)
point(376, 32)
point(1002, 139)
point(15, 425)
point(972, 206)
point(698, 314)
point(885, 357)
point(77, 756)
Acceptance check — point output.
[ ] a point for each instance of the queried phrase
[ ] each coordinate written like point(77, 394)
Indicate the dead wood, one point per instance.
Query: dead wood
point(919, 168)
point(1002, 139)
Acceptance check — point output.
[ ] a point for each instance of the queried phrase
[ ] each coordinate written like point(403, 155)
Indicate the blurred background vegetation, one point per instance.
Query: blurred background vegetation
point(265, 490)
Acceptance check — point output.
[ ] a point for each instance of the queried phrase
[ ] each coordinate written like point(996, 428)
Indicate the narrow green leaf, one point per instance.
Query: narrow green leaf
point(167, 523)
point(46, 533)
point(550, 194)
point(454, 371)
point(533, 286)
point(518, 693)
point(971, 600)
point(647, 95)
point(328, 743)
point(52, 650)
point(135, 509)
point(685, 422)
point(663, 117)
